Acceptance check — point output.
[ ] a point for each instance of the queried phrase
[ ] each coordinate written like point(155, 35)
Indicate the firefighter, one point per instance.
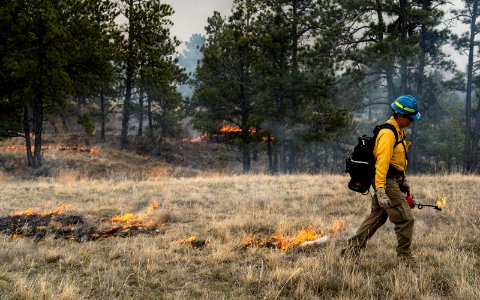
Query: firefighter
point(390, 183)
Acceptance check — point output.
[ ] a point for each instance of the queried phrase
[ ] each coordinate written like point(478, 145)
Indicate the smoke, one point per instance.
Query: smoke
point(191, 15)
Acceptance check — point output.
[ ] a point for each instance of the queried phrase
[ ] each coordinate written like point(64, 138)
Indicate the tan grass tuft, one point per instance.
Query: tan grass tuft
point(224, 210)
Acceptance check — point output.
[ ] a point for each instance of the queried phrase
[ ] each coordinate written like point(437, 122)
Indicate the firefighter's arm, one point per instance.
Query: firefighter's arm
point(383, 154)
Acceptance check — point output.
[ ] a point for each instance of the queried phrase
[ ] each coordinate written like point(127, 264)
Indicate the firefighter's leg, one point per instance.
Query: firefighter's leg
point(378, 216)
point(400, 214)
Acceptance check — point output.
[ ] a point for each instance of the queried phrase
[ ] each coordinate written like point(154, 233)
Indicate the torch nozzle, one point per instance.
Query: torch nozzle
point(420, 206)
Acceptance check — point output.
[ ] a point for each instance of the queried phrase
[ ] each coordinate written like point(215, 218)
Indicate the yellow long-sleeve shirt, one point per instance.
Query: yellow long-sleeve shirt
point(386, 155)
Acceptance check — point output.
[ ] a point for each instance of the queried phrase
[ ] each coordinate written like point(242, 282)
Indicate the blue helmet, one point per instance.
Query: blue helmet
point(407, 105)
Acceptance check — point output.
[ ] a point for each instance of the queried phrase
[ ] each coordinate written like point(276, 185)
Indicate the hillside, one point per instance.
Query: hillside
point(70, 156)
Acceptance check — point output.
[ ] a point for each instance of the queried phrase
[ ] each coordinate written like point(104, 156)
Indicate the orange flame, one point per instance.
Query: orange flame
point(192, 240)
point(30, 211)
point(187, 240)
point(230, 128)
point(281, 242)
point(223, 130)
point(196, 139)
point(137, 219)
point(15, 236)
point(304, 235)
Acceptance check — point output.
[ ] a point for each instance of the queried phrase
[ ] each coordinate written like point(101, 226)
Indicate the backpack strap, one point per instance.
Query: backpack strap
point(389, 126)
point(392, 128)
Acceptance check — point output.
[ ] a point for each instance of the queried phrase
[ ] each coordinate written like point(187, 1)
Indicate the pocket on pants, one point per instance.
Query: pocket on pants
point(399, 213)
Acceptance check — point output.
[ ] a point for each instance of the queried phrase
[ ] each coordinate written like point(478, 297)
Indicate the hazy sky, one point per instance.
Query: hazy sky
point(191, 15)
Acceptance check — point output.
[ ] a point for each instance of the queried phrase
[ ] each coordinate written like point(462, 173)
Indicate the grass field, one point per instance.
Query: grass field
point(225, 210)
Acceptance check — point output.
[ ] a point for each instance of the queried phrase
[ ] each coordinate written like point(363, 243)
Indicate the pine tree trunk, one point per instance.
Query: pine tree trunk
point(149, 111)
point(275, 169)
point(128, 80)
point(476, 136)
point(389, 71)
point(140, 112)
point(420, 79)
point(270, 153)
point(26, 131)
point(292, 157)
point(37, 130)
point(283, 157)
point(467, 162)
point(246, 157)
point(126, 111)
point(103, 116)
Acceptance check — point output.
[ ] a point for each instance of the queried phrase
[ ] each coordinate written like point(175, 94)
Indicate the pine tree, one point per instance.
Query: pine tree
point(147, 42)
point(43, 49)
point(467, 43)
point(224, 86)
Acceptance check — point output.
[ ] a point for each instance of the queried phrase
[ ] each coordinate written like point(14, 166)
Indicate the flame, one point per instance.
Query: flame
point(441, 203)
point(49, 147)
point(194, 241)
point(136, 219)
point(304, 235)
point(225, 129)
point(283, 243)
point(248, 242)
point(30, 211)
point(187, 240)
point(15, 236)
point(120, 225)
point(196, 139)
point(230, 128)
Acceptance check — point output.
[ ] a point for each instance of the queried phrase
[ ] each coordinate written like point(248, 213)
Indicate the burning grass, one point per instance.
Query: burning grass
point(219, 213)
point(305, 237)
point(39, 224)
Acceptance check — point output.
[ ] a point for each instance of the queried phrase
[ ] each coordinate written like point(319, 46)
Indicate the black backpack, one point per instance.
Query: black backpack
point(361, 163)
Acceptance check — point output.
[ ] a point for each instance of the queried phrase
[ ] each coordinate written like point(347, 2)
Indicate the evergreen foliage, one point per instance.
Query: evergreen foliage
point(300, 79)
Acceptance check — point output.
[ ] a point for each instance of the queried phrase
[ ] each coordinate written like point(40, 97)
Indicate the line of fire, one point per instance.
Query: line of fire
point(305, 237)
point(38, 224)
point(228, 133)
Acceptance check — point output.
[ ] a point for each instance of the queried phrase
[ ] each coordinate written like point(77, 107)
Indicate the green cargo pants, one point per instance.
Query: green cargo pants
point(399, 214)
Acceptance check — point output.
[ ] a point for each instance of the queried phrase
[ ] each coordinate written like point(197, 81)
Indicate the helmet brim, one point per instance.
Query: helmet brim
point(416, 116)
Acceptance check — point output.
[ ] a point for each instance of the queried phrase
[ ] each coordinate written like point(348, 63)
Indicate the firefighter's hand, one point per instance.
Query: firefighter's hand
point(410, 200)
point(405, 187)
point(382, 198)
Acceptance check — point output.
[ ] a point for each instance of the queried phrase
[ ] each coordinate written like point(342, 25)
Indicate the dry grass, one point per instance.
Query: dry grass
point(224, 210)
point(177, 159)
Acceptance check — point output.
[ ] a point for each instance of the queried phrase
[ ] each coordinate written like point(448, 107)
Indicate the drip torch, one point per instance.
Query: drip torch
point(411, 202)
point(420, 206)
